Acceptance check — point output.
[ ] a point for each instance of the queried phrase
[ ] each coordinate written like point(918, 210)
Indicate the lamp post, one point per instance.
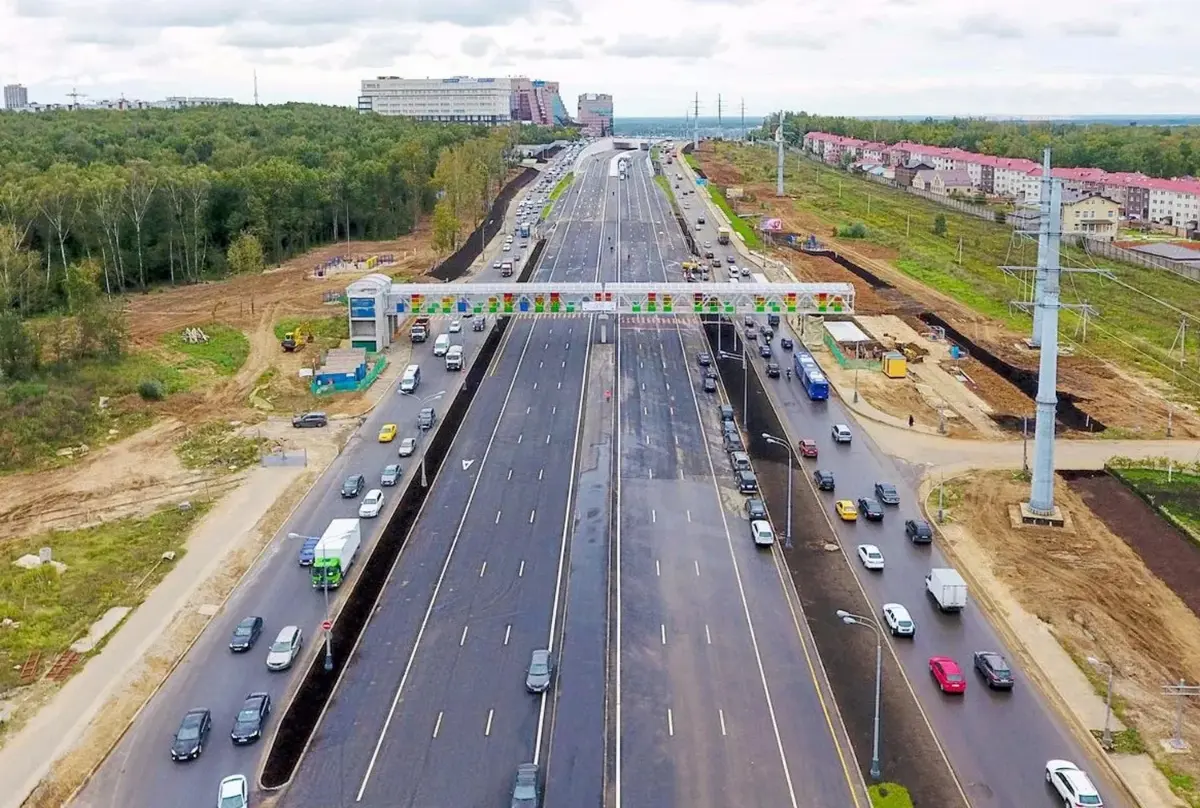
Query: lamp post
point(858, 620)
point(1106, 735)
point(745, 381)
point(424, 401)
point(328, 620)
point(787, 536)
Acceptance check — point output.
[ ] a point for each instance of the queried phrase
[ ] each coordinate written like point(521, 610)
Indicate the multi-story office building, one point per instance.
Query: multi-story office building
point(16, 96)
point(595, 114)
point(464, 99)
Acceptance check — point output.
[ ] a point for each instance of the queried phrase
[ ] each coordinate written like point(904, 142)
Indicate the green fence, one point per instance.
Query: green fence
point(848, 362)
point(380, 363)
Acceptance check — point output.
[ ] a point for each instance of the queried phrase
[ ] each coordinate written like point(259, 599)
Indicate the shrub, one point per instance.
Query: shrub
point(151, 390)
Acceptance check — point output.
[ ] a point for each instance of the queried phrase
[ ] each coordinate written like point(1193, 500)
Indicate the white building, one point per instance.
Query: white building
point(461, 98)
point(16, 96)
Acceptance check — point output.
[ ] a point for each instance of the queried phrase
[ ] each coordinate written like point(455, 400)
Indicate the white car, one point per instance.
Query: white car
point(870, 556)
point(408, 446)
point(372, 504)
point(841, 433)
point(763, 535)
point(507, 247)
point(455, 326)
point(234, 792)
point(1073, 786)
point(286, 647)
point(898, 620)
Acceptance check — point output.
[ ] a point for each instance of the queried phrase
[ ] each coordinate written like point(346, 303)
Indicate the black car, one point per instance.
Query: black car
point(426, 418)
point(245, 634)
point(785, 343)
point(708, 253)
point(870, 509)
point(733, 441)
point(479, 324)
point(919, 531)
point(764, 351)
point(710, 383)
point(756, 509)
point(823, 480)
point(248, 725)
point(994, 670)
point(767, 333)
point(726, 411)
point(353, 486)
point(189, 739)
point(309, 420)
point(772, 369)
point(887, 494)
point(704, 359)
point(746, 481)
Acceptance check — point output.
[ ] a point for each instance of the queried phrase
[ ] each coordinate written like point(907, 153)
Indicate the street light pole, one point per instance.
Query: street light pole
point(1106, 735)
point(424, 401)
point(325, 580)
point(858, 620)
point(781, 442)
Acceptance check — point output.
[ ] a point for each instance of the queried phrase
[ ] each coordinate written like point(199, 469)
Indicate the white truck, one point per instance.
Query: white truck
point(947, 588)
point(335, 552)
point(454, 358)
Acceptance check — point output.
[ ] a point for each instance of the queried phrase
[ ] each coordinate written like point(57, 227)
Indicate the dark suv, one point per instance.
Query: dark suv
point(426, 418)
point(353, 486)
point(756, 509)
point(823, 479)
point(918, 531)
point(887, 493)
point(310, 419)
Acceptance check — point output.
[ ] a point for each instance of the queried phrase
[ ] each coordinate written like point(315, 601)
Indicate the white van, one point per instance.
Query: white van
point(454, 358)
point(441, 345)
point(411, 379)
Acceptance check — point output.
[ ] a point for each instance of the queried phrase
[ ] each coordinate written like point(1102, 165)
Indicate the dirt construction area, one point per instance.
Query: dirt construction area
point(1117, 398)
point(1096, 592)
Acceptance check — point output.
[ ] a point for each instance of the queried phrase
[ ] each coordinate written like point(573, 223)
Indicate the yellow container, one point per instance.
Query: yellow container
point(895, 366)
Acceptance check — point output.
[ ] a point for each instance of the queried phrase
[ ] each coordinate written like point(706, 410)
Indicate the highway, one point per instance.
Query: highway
point(720, 699)
point(139, 773)
point(997, 743)
point(433, 709)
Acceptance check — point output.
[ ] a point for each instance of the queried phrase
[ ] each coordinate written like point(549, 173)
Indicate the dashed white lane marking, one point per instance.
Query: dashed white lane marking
point(483, 569)
point(657, 568)
point(510, 474)
point(662, 632)
point(721, 715)
point(497, 517)
point(697, 563)
point(532, 514)
point(487, 728)
point(540, 473)
point(507, 632)
point(653, 516)
point(670, 722)
point(521, 569)
point(437, 726)
point(547, 438)
point(689, 515)
point(463, 639)
point(707, 635)
point(520, 437)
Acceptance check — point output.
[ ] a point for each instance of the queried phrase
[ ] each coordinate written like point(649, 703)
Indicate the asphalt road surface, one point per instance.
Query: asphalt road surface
point(998, 743)
point(433, 709)
point(140, 773)
point(720, 702)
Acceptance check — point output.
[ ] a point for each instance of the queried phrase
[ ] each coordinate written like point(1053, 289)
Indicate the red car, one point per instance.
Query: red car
point(948, 675)
point(808, 448)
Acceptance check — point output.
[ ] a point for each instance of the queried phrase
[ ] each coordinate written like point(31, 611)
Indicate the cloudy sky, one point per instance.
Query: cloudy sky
point(864, 57)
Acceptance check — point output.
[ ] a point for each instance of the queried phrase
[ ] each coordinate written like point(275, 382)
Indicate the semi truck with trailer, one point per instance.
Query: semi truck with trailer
point(335, 552)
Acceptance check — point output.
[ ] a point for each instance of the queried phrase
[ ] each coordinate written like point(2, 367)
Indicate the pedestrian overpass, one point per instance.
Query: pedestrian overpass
point(377, 305)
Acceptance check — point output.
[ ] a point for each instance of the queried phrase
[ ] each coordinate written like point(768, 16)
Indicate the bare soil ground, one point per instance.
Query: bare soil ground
point(1098, 592)
point(1116, 397)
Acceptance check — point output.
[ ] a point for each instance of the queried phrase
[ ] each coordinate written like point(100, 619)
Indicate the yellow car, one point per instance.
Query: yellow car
point(845, 509)
point(388, 433)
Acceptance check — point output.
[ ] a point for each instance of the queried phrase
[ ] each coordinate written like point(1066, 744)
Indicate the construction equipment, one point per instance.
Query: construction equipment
point(912, 352)
point(296, 339)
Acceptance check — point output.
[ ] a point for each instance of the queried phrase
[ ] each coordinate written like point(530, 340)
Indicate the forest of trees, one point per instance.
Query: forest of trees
point(159, 196)
point(1158, 151)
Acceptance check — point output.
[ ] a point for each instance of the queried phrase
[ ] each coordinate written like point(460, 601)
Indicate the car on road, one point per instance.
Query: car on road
point(730, 259)
point(234, 792)
point(708, 254)
point(887, 494)
point(749, 322)
point(247, 632)
point(767, 333)
point(391, 474)
point(715, 263)
point(807, 447)
point(846, 510)
point(761, 532)
point(898, 620)
point(870, 556)
point(188, 743)
point(479, 324)
point(745, 272)
point(507, 246)
point(764, 351)
point(841, 433)
point(994, 669)
point(739, 461)
point(353, 486)
point(733, 440)
point(308, 551)
point(870, 508)
point(747, 482)
point(772, 369)
point(248, 723)
point(707, 244)
point(947, 674)
point(705, 359)
point(726, 412)
point(496, 264)
point(918, 531)
point(526, 793)
point(371, 505)
point(539, 672)
point(426, 418)
point(455, 326)
point(387, 433)
point(710, 383)
point(756, 509)
point(752, 334)
point(1074, 787)
point(310, 420)
point(285, 649)
point(786, 343)
point(823, 480)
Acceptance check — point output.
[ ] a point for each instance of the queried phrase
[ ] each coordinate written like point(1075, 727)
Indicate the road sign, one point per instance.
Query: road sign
point(326, 625)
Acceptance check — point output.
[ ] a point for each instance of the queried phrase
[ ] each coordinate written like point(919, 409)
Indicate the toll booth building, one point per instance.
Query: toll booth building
point(374, 319)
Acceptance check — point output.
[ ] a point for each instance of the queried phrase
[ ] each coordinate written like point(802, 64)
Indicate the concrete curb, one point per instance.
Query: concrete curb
point(1034, 670)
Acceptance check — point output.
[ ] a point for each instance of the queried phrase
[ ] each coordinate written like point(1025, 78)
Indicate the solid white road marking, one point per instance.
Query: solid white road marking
point(463, 639)
point(437, 724)
point(487, 728)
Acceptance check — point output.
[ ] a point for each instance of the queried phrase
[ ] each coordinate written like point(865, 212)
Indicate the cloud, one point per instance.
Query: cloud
point(478, 45)
point(685, 46)
point(377, 52)
point(533, 54)
point(790, 40)
point(1090, 28)
point(989, 26)
point(270, 37)
point(110, 35)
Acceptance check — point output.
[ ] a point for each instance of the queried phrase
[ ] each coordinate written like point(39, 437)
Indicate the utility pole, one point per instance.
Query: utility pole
point(1039, 276)
point(779, 156)
point(696, 124)
point(743, 118)
point(256, 88)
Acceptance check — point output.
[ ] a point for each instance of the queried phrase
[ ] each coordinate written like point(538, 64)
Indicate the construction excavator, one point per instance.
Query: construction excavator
point(295, 340)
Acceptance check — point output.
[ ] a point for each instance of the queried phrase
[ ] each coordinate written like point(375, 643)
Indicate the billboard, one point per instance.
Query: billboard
point(362, 307)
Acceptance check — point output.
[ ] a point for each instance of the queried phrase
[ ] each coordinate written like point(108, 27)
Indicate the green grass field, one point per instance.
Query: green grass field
point(114, 564)
point(1130, 327)
point(889, 795)
point(334, 329)
point(561, 186)
point(224, 352)
point(216, 445)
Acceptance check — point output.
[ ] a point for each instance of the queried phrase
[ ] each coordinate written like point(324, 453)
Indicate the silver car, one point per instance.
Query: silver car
point(285, 649)
point(537, 679)
point(407, 446)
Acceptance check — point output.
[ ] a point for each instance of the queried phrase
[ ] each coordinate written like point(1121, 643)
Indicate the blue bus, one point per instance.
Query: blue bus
point(523, 229)
point(810, 375)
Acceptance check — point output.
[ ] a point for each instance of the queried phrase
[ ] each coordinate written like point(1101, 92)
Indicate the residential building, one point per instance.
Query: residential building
point(1175, 202)
point(1091, 214)
point(948, 182)
point(538, 102)
point(16, 96)
point(464, 99)
point(594, 113)
point(908, 171)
